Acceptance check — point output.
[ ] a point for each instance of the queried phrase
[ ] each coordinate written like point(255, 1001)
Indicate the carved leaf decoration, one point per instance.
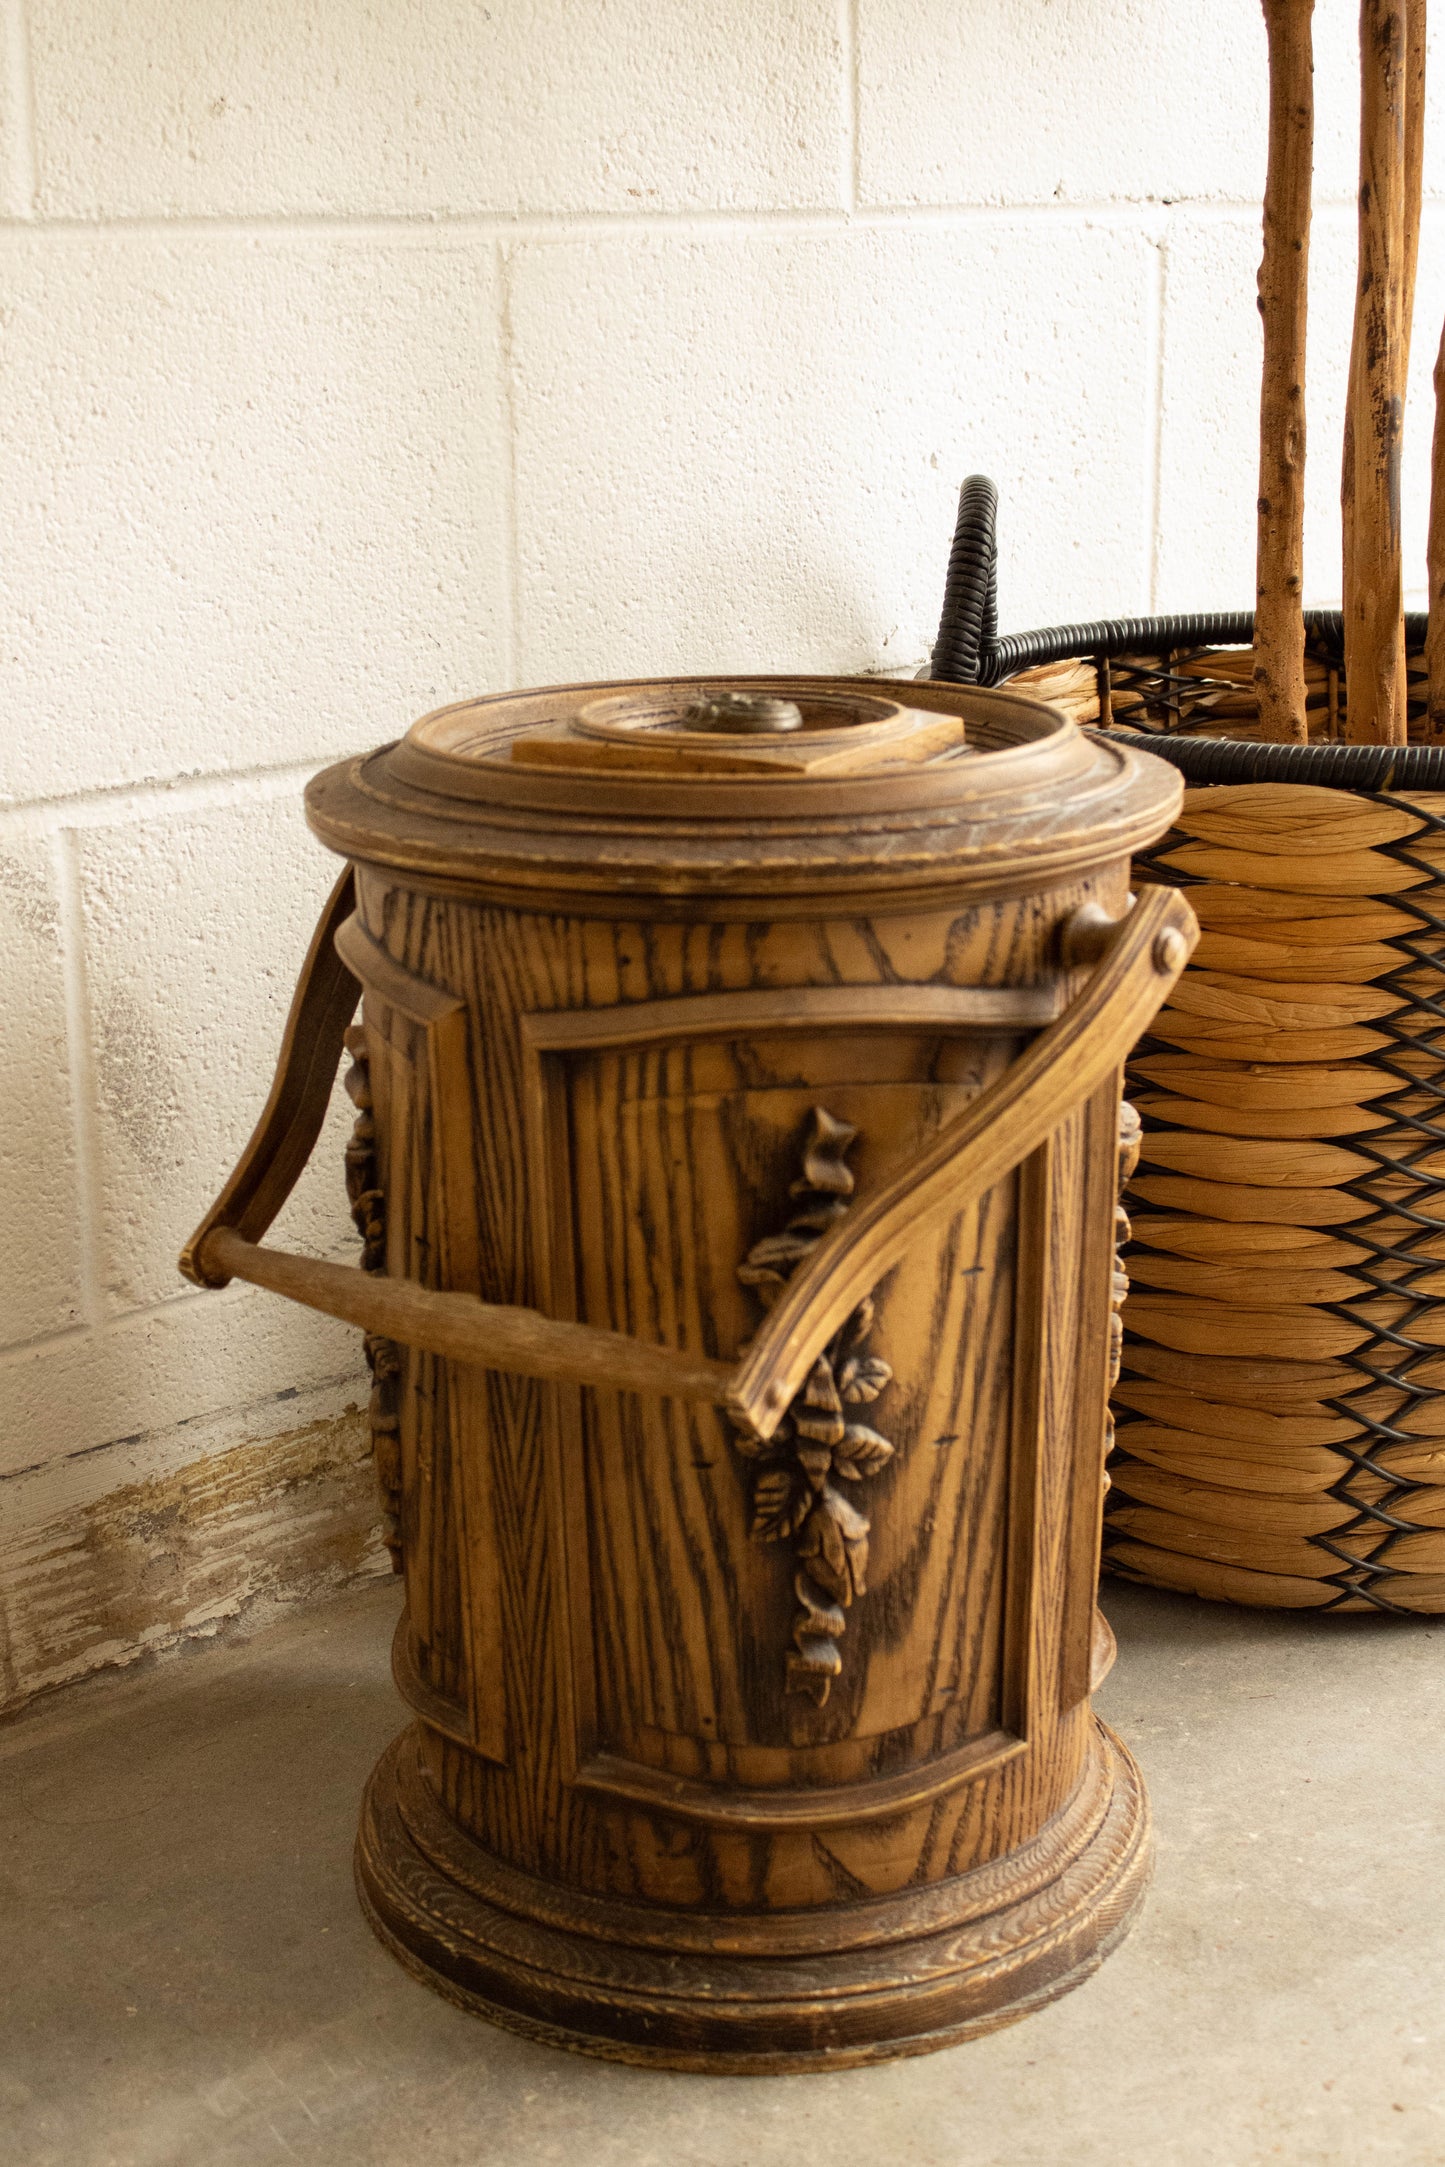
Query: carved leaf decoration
point(856, 1327)
point(818, 1412)
point(823, 1156)
point(770, 1263)
point(816, 1462)
point(816, 1632)
point(780, 1501)
point(383, 1356)
point(752, 1447)
point(820, 1546)
point(833, 1545)
point(823, 1212)
point(818, 1618)
point(813, 1669)
point(791, 1493)
point(820, 1391)
point(863, 1378)
point(861, 1452)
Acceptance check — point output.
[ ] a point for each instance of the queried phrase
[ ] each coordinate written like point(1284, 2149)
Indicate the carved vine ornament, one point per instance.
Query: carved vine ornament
point(794, 1493)
point(383, 1356)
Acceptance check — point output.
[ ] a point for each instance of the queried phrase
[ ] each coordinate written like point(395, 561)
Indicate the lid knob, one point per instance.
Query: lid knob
point(743, 714)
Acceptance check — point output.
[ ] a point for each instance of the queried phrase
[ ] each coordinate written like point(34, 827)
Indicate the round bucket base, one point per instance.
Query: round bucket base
point(753, 1993)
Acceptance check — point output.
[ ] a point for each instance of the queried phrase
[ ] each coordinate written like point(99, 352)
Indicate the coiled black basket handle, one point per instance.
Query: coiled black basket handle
point(965, 651)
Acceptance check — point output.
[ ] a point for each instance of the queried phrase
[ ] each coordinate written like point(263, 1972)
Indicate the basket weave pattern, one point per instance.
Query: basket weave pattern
point(1281, 1418)
point(1281, 1406)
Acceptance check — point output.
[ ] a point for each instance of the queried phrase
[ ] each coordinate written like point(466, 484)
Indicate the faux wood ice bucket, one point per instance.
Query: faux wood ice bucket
point(752, 1050)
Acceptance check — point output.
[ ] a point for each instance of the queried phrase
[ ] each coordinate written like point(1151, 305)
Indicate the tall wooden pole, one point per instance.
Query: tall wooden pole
point(1435, 565)
point(1370, 482)
point(1279, 633)
point(1434, 728)
point(1414, 155)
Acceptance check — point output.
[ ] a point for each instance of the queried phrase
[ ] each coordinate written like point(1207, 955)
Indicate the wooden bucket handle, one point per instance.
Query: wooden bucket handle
point(1137, 959)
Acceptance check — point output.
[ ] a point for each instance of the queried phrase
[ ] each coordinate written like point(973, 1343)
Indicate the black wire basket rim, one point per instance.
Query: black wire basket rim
point(1223, 759)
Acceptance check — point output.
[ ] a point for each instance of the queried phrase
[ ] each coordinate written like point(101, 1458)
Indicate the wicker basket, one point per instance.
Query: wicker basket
point(1281, 1409)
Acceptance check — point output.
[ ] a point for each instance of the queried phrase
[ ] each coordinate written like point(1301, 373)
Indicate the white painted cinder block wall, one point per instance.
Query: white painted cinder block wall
point(357, 357)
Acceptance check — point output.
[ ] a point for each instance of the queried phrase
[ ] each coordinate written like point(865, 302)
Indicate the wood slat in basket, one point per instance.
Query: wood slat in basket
point(1424, 1553)
point(1301, 1470)
point(1237, 1200)
point(1273, 1437)
point(1272, 1283)
point(1306, 1473)
point(1421, 1592)
point(1270, 1553)
point(1188, 1409)
point(1171, 1421)
point(1425, 1506)
point(1401, 1164)
point(1283, 1385)
point(1253, 1512)
point(1245, 1084)
point(1275, 1006)
point(1282, 1511)
point(1303, 920)
point(1303, 962)
point(1221, 1042)
point(1073, 686)
point(1223, 1583)
point(1289, 819)
point(1425, 1328)
point(1326, 872)
point(1196, 1326)
point(1270, 1162)
point(1216, 1239)
point(1263, 1121)
point(1266, 1286)
point(1194, 1420)
point(1423, 1420)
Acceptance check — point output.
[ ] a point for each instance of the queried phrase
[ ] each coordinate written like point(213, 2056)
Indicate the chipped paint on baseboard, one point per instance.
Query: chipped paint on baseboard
point(108, 1574)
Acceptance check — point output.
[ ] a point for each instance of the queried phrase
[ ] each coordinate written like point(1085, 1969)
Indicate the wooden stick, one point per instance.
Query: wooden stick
point(1434, 723)
point(1435, 564)
point(1370, 482)
point(1279, 634)
point(1414, 156)
point(490, 1334)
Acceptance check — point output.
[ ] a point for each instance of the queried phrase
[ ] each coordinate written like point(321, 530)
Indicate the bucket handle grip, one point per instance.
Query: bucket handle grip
point(1136, 960)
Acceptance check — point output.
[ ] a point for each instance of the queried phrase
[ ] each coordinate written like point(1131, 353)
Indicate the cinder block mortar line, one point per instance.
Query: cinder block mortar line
point(422, 227)
point(140, 1313)
point(116, 1323)
point(848, 43)
point(20, 178)
point(511, 570)
point(1158, 306)
point(42, 1343)
point(120, 803)
point(80, 1055)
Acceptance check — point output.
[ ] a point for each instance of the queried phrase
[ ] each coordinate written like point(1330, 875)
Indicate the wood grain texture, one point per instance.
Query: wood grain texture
point(1370, 481)
point(1435, 564)
point(285, 1136)
point(1279, 654)
point(749, 1744)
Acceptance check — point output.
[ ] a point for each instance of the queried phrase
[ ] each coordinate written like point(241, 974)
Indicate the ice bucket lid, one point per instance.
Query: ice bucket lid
point(744, 789)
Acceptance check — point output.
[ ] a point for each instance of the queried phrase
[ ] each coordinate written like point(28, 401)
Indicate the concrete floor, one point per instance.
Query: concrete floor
point(185, 1980)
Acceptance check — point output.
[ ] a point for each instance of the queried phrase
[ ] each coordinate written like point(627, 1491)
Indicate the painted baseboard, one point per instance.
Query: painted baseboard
point(126, 1552)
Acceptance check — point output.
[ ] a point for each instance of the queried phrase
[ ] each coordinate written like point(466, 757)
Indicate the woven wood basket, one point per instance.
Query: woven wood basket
point(1281, 1407)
